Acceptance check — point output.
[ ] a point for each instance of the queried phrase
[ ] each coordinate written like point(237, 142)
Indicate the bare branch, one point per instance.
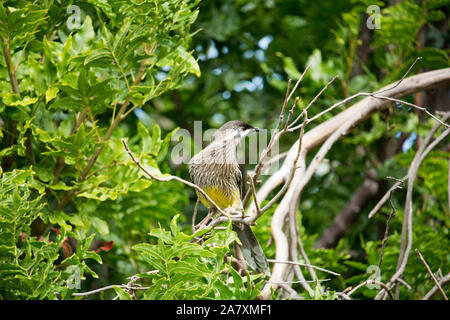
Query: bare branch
point(123, 286)
point(329, 131)
point(299, 281)
point(291, 176)
point(371, 281)
point(298, 81)
point(410, 105)
point(431, 274)
point(129, 286)
point(277, 134)
point(252, 188)
point(404, 76)
point(354, 114)
point(433, 290)
point(403, 282)
point(169, 178)
point(386, 234)
point(312, 102)
point(305, 265)
point(407, 231)
point(386, 197)
point(194, 215)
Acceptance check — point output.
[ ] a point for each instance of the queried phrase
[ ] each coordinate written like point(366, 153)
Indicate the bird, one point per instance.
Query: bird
point(215, 169)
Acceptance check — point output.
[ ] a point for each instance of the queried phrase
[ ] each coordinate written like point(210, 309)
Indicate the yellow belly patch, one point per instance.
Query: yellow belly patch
point(222, 199)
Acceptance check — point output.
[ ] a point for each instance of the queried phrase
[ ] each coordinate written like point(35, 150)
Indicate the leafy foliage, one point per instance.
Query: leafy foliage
point(30, 267)
point(73, 206)
point(187, 270)
point(64, 121)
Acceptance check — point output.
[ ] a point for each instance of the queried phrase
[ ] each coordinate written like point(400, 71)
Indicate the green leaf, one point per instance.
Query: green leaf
point(83, 84)
point(99, 58)
point(123, 295)
point(192, 65)
point(24, 101)
point(238, 283)
point(100, 225)
point(162, 234)
point(51, 94)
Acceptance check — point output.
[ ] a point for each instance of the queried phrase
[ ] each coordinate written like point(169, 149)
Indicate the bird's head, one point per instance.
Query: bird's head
point(233, 131)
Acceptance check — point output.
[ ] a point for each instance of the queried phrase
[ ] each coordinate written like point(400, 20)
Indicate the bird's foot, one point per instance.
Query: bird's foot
point(232, 212)
point(235, 213)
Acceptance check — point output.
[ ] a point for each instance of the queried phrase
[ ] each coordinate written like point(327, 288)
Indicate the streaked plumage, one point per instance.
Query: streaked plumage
point(216, 170)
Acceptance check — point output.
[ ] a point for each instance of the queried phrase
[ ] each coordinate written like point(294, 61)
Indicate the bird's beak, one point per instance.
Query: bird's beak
point(247, 132)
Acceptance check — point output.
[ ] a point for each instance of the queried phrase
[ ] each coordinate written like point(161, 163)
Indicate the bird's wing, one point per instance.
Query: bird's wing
point(240, 181)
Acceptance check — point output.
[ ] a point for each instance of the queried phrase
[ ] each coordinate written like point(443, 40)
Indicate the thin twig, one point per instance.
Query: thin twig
point(403, 78)
point(169, 178)
point(298, 81)
point(313, 101)
point(298, 281)
point(129, 287)
point(305, 265)
point(371, 281)
point(202, 224)
point(410, 105)
point(276, 135)
point(122, 286)
point(386, 233)
point(406, 236)
point(194, 215)
point(433, 290)
point(431, 274)
point(377, 96)
point(400, 182)
point(252, 188)
point(283, 108)
point(272, 160)
point(291, 176)
point(403, 282)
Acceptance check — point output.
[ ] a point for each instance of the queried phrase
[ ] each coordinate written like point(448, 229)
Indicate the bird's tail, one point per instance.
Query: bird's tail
point(251, 249)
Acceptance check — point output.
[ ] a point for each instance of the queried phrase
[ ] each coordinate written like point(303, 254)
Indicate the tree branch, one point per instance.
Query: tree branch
point(169, 178)
point(431, 274)
point(330, 130)
point(433, 290)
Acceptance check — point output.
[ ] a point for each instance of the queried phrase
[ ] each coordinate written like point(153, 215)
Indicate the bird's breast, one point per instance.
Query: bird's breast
point(218, 179)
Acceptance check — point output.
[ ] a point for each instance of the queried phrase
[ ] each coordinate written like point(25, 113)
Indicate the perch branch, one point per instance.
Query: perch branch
point(277, 133)
point(169, 178)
